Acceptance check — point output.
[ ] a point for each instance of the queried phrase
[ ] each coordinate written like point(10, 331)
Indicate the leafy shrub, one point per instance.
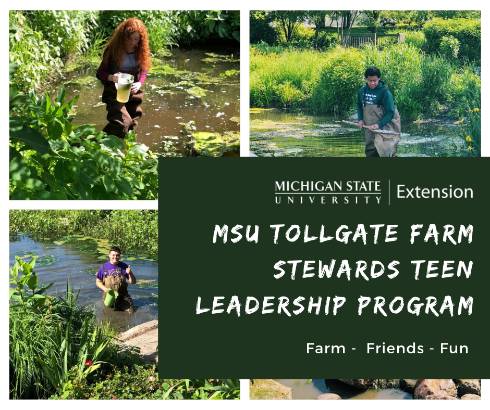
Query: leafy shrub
point(466, 31)
point(449, 47)
point(400, 67)
point(71, 30)
point(162, 26)
point(167, 28)
point(35, 58)
point(339, 80)
point(302, 38)
point(52, 159)
point(325, 40)
point(415, 39)
point(144, 384)
point(464, 91)
point(197, 26)
point(433, 89)
point(41, 40)
point(289, 95)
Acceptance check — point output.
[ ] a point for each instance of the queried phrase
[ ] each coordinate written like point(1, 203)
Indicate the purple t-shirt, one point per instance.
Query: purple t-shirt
point(108, 269)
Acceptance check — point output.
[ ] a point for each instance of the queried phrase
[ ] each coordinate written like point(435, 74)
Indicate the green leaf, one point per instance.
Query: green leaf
point(32, 282)
point(32, 138)
point(108, 182)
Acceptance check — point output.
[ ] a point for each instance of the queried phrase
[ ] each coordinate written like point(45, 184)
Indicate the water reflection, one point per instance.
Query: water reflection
point(311, 389)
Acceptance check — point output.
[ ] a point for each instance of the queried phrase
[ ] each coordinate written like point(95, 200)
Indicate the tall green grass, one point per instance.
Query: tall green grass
point(50, 336)
point(339, 80)
point(326, 82)
point(284, 79)
point(135, 231)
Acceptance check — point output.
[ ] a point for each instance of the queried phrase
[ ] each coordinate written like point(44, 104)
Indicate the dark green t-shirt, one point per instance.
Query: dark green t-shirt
point(380, 96)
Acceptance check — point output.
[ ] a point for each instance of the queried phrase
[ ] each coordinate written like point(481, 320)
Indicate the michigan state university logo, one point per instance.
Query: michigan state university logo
point(328, 192)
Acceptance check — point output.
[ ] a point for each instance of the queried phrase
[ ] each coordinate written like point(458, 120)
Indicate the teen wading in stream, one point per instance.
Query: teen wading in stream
point(127, 52)
point(116, 275)
point(376, 111)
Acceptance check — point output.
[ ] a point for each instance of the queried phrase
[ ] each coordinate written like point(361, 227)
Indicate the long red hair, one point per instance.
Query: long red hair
point(114, 50)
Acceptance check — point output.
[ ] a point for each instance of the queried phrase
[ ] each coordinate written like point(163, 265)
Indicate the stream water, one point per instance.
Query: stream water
point(190, 85)
point(73, 262)
point(275, 133)
point(311, 389)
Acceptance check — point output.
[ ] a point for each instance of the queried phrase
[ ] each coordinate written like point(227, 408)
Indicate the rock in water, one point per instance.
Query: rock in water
point(441, 396)
point(329, 396)
point(468, 386)
point(441, 389)
point(470, 397)
point(408, 385)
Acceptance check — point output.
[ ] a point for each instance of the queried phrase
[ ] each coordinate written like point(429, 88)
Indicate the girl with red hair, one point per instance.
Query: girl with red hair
point(127, 52)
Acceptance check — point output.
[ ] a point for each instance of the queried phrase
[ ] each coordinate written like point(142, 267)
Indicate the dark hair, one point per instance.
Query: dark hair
point(115, 249)
point(372, 71)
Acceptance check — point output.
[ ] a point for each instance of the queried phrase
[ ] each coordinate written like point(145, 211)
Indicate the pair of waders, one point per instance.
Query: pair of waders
point(121, 117)
point(380, 145)
point(118, 283)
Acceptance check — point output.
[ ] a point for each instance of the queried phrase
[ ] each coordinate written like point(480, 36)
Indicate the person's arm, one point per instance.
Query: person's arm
point(100, 285)
point(130, 275)
point(103, 72)
point(389, 107)
point(142, 76)
point(141, 80)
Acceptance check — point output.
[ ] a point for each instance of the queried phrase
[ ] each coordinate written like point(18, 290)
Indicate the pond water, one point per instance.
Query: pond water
point(275, 133)
point(58, 264)
point(311, 389)
point(190, 85)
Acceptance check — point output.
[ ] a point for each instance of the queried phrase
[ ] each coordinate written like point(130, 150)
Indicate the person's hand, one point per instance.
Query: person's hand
point(374, 127)
point(360, 123)
point(135, 87)
point(113, 77)
point(128, 269)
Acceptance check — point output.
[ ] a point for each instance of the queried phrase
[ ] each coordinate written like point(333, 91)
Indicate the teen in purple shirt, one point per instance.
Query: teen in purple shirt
point(114, 269)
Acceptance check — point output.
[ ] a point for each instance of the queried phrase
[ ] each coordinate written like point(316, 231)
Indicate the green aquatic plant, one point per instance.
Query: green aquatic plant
point(213, 144)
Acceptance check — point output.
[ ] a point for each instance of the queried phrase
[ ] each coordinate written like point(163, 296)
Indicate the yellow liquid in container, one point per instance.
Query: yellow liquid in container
point(123, 92)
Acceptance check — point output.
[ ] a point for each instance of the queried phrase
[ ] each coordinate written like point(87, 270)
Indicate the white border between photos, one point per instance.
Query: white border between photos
point(245, 7)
